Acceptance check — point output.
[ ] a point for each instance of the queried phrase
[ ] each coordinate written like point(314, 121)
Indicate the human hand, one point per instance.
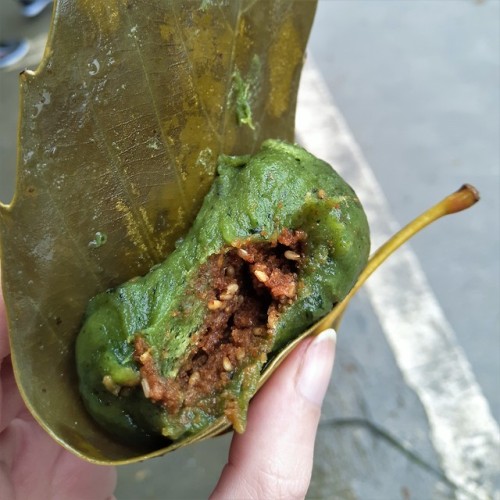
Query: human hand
point(273, 458)
point(32, 464)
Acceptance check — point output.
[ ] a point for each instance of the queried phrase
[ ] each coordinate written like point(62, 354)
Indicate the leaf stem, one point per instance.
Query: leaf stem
point(460, 200)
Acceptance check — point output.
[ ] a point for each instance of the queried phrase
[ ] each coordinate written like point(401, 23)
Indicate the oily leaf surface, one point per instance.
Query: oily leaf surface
point(120, 130)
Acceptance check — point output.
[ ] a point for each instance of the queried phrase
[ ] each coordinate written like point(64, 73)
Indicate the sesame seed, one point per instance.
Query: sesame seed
point(230, 292)
point(321, 194)
point(240, 353)
point(230, 272)
point(194, 378)
point(145, 387)
point(144, 357)
point(226, 363)
point(261, 276)
point(242, 253)
point(111, 385)
point(213, 305)
point(291, 255)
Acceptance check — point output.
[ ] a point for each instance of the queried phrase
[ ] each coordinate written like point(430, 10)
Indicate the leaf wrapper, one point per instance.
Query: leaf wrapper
point(120, 129)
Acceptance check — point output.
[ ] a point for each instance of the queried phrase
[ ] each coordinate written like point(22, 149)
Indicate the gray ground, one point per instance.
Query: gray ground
point(418, 83)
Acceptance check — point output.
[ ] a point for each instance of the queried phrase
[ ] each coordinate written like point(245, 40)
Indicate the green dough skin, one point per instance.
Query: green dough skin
point(253, 199)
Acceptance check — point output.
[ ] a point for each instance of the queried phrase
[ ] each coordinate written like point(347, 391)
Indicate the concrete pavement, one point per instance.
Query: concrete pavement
point(418, 85)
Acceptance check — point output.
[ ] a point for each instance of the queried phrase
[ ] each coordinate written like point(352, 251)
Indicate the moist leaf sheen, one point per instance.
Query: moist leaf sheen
point(120, 129)
point(253, 201)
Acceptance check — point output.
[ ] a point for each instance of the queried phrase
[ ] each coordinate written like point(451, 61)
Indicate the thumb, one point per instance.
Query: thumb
point(273, 457)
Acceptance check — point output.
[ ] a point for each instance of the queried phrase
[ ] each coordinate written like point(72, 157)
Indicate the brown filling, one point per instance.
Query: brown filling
point(251, 285)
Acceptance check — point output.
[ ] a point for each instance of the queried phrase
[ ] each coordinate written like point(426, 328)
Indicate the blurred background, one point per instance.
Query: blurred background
point(418, 84)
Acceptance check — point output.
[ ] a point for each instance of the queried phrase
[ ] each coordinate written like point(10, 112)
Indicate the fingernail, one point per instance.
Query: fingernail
point(316, 368)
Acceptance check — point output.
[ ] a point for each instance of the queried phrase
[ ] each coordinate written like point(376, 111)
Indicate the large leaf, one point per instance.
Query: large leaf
point(120, 129)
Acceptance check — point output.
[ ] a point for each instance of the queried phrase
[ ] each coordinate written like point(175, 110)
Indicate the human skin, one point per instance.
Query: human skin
point(32, 464)
point(272, 460)
point(268, 461)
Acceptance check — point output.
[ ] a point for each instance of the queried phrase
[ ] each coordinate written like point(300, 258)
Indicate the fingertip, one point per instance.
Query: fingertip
point(329, 335)
point(274, 455)
point(315, 370)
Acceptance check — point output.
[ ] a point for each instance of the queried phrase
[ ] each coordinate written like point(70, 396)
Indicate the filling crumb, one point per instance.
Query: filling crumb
point(250, 287)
